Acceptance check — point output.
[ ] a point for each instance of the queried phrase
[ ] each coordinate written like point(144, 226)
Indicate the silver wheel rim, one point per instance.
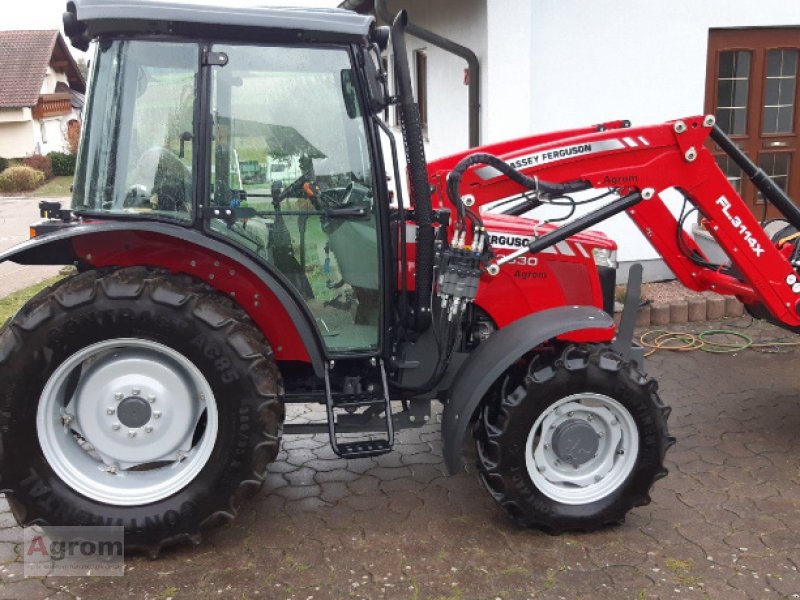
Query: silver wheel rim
point(127, 421)
point(585, 480)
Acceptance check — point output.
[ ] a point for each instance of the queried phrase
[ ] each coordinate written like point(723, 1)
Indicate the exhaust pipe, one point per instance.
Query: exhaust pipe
point(418, 175)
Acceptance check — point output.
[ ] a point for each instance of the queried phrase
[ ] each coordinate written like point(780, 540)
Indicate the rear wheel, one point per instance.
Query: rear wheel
point(572, 441)
point(135, 398)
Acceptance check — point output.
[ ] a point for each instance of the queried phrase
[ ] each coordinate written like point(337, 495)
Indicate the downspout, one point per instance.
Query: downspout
point(382, 10)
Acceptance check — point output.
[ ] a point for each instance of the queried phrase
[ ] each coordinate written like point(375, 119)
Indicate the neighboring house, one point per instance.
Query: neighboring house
point(549, 65)
point(41, 93)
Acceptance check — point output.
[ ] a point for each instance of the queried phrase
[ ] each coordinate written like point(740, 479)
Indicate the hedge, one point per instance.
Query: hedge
point(63, 163)
point(20, 179)
point(40, 163)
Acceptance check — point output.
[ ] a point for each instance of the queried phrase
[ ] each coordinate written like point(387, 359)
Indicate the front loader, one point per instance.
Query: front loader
point(149, 389)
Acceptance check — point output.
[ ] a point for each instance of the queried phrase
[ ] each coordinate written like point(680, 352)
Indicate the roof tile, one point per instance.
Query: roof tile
point(24, 57)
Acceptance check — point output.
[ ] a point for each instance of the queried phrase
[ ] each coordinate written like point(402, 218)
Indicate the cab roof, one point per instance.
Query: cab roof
point(237, 13)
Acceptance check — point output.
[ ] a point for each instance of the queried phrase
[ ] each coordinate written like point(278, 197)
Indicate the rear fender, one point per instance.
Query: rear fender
point(495, 355)
point(261, 291)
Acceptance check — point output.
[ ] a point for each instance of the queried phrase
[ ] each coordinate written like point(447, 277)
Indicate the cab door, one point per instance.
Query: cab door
point(307, 206)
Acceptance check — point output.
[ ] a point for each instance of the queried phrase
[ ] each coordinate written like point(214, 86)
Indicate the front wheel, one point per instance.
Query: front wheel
point(572, 441)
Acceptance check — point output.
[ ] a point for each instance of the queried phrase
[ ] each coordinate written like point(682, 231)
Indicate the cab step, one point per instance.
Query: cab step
point(378, 400)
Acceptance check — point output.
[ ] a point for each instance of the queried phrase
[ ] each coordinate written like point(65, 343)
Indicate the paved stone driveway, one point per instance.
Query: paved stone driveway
point(16, 214)
point(724, 524)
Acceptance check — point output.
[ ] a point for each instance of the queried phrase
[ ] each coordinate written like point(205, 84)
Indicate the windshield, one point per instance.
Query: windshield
point(136, 155)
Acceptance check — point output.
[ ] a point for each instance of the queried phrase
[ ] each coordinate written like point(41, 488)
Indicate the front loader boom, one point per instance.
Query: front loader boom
point(646, 161)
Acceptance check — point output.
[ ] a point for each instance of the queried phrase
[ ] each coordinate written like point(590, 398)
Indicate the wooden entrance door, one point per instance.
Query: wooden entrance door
point(751, 86)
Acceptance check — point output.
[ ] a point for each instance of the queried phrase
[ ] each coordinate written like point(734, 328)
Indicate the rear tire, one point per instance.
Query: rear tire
point(214, 374)
point(572, 441)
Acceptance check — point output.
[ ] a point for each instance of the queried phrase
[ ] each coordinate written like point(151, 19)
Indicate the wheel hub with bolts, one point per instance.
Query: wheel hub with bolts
point(134, 412)
point(125, 432)
point(575, 441)
point(577, 450)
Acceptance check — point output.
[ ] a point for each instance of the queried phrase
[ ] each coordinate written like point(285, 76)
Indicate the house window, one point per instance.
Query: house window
point(731, 170)
point(43, 130)
point(780, 92)
point(751, 86)
point(733, 83)
point(421, 76)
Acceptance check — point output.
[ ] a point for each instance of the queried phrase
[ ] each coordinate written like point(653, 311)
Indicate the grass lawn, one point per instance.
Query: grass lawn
point(56, 187)
point(13, 302)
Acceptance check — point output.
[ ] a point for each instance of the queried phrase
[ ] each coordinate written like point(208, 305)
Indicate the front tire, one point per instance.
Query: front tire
point(135, 397)
point(572, 441)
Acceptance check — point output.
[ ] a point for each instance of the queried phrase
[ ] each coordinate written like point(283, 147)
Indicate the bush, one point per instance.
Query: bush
point(3, 164)
point(20, 179)
point(40, 163)
point(63, 164)
point(73, 136)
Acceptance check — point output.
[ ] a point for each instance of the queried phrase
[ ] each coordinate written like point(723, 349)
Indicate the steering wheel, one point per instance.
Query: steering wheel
point(162, 172)
point(306, 186)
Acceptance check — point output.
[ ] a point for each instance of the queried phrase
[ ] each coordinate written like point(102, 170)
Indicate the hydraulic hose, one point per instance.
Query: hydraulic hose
point(532, 183)
point(417, 174)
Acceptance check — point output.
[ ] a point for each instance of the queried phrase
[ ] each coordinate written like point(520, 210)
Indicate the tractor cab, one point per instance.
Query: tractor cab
point(173, 123)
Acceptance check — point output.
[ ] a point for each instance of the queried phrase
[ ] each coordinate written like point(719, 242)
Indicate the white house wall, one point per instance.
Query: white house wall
point(12, 115)
point(602, 60)
point(16, 139)
point(51, 79)
point(54, 139)
point(509, 67)
point(587, 62)
point(464, 22)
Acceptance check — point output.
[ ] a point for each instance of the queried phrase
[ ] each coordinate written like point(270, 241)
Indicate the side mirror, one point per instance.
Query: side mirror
point(349, 94)
point(376, 81)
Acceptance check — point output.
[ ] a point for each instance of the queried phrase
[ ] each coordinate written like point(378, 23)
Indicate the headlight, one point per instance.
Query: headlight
point(603, 257)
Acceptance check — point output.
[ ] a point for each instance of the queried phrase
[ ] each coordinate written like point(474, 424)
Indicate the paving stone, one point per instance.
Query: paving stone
point(11, 572)
point(25, 589)
point(659, 314)
point(335, 475)
point(7, 520)
point(697, 309)
point(679, 312)
point(733, 308)
point(715, 308)
point(334, 491)
point(296, 492)
point(7, 552)
point(12, 534)
point(643, 316)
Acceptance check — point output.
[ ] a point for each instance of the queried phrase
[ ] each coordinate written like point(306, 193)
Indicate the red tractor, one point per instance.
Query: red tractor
point(148, 390)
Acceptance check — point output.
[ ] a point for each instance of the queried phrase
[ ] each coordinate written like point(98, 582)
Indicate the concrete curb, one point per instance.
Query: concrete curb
point(689, 310)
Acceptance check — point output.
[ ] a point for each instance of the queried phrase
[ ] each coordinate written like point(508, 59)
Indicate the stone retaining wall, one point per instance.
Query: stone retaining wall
point(658, 314)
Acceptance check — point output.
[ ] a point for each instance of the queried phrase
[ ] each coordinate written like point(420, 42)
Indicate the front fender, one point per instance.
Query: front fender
point(260, 290)
point(494, 356)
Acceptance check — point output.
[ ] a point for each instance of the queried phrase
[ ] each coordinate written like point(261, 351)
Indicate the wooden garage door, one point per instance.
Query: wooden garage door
point(751, 86)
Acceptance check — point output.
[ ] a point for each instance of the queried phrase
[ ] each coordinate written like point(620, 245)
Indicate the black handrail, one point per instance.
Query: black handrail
point(468, 55)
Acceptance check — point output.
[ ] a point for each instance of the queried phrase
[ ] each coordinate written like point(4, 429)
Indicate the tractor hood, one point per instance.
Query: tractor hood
point(518, 229)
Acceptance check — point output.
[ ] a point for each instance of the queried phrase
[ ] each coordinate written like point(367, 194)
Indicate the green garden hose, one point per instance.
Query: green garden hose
point(681, 341)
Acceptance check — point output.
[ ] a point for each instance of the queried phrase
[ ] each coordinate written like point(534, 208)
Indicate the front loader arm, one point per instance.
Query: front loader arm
point(650, 160)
